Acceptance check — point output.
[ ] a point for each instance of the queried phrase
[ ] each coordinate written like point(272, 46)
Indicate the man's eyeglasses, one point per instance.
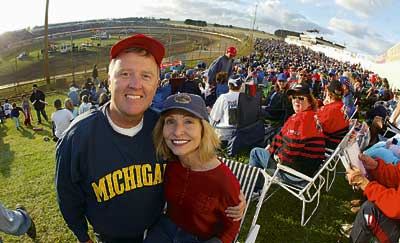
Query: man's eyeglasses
point(299, 97)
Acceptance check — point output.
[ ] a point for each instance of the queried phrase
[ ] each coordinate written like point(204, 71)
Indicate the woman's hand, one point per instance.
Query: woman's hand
point(357, 178)
point(237, 211)
point(368, 162)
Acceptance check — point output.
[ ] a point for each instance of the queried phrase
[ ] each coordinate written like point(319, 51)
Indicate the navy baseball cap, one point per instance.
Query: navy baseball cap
point(153, 46)
point(299, 89)
point(191, 103)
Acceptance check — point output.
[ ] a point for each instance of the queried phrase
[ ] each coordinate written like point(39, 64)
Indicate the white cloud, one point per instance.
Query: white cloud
point(361, 37)
point(364, 8)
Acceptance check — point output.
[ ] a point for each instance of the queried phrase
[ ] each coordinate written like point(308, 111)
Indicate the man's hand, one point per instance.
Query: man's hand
point(237, 211)
point(357, 178)
point(368, 162)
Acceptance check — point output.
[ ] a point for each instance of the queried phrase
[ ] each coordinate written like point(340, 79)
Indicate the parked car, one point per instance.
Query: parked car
point(22, 55)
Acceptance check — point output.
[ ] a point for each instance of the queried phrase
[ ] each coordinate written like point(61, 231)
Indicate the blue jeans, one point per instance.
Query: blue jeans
point(165, 231)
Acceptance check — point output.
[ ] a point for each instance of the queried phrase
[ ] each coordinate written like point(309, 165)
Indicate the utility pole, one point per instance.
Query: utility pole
point(252, 29)
point(46, 44)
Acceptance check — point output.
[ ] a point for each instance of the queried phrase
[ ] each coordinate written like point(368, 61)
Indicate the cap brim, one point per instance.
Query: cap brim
point(185, 109)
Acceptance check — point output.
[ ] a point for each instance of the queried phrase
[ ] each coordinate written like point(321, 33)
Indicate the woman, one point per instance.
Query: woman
point(198, 187)
point(333, 116)
point(300, 144)
point(69, 105)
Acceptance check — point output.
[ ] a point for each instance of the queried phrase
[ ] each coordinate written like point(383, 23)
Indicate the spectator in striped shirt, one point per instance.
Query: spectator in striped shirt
point(300, 144)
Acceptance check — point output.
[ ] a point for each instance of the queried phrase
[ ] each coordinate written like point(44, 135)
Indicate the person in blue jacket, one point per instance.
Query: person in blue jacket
point(107, 172)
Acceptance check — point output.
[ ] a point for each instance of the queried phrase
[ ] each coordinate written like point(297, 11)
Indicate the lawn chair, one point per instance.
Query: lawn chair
point(391, 130)
point(354, 112)
point(331, 166)
point(308, 189)
point(247, 176)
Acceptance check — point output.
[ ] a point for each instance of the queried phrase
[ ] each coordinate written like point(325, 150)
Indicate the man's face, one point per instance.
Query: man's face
point(34, 89)
point(133, 82)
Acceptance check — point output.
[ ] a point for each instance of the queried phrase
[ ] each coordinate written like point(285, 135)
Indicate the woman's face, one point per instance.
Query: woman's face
point(281, 84)
point(300, 103)
point(182, 133)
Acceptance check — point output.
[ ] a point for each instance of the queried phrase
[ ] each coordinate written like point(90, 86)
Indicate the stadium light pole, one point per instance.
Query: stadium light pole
point(46, 44)
point(252, 29)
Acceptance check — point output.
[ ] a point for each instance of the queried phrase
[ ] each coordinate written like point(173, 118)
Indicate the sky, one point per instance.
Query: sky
point(363, 26)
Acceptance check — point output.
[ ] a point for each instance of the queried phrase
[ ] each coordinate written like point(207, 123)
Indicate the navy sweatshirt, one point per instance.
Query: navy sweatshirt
point(112, 180)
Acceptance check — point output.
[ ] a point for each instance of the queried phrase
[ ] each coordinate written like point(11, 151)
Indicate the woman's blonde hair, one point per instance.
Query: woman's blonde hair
point(208, 147)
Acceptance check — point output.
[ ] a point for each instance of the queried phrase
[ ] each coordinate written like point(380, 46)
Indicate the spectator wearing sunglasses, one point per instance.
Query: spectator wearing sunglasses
point(300, 144)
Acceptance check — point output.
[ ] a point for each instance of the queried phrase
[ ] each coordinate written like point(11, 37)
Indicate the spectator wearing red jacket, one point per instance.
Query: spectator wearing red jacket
point(380, 215)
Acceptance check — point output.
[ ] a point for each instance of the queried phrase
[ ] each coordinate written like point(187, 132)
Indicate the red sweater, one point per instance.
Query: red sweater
point(300, 144)
point(334, 122)
point(197, 200)
point(384, 189)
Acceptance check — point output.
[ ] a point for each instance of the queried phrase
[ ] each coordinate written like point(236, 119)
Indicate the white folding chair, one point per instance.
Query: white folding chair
point(247, 176)
point(354, 112)
point(331, 166)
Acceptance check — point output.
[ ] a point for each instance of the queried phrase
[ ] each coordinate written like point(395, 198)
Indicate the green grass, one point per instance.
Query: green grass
point(27, 171)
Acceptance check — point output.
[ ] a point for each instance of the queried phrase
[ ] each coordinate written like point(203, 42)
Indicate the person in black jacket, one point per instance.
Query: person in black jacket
point(38, 101)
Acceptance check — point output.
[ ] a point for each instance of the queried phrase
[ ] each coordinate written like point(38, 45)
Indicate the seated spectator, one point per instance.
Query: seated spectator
point(278, 104)
point(376, 121)
point(223, 113)
point(379, 216)
point(301, 143)
point(68, 104)
point(7, 107)
point(190, 85)
point(85, 105)
point(15, 114)
point(333, 116)
point(73, 94)
point(184, 137)
point(388, 151)
point(103, 98)
point(162, 92)
point(348, 98)
point(222, 83)
point(61, 119)
point(2, 115)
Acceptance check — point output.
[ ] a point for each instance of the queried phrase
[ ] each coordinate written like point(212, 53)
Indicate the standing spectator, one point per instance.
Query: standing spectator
point(2, 115)
point(222, 64)
point(15, 114)
point(95, 74)
point(16, 222)
point(85, 105)
point(26, 108)
point(61, 119)
point(7, 108)
point(38, 101)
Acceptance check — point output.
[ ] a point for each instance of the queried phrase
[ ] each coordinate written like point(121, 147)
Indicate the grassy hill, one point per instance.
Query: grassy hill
point(27, 171)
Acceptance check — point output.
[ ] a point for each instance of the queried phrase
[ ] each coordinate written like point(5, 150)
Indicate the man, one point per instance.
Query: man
point(190, 85)
point(222, 64)
point(379, 216)
point(223, 113)
point(107, 171)
point(38, 101)
point(61, 119)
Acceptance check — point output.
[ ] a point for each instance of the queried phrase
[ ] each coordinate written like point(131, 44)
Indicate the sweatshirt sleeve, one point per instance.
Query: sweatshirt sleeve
point(70, 197)
point(230, 227)
point(384, 191)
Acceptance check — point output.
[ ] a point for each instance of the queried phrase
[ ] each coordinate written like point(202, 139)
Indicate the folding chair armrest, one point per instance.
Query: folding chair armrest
point(293, 172)
point(253, 232)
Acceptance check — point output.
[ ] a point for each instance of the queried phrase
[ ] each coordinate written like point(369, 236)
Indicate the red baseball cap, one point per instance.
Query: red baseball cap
point(232, 50)
point(153, 46)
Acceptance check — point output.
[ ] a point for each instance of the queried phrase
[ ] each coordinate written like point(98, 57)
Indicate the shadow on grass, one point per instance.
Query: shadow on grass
point(6, 155)
point(26, 133)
